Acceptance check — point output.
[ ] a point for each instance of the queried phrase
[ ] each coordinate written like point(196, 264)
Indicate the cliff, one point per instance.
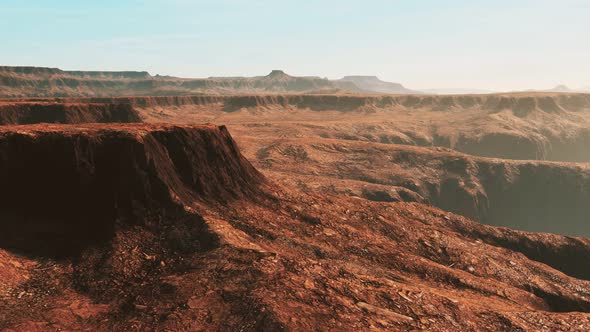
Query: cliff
point(12, 113)
point(76, 182)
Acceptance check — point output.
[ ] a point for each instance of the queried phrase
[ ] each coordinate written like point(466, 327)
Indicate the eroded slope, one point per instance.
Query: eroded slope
point(526, 195)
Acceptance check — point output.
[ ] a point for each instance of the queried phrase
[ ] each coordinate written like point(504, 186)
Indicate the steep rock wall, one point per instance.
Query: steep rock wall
point(64, 186)
point(39, 112)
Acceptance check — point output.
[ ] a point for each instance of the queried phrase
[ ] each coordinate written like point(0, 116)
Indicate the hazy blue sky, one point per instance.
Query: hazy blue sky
point(494, 44)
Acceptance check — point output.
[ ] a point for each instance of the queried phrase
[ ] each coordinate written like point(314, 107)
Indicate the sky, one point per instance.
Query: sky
point(494, 44)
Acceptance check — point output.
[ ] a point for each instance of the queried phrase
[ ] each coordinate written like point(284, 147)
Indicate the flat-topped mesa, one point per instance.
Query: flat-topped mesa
point(118, 168)
point(80, 180)
point(15, 113)
point(42, 71)
point(277, 73)
point(27, 70)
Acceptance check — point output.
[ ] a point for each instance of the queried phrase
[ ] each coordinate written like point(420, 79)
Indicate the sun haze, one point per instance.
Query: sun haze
point(495, 45)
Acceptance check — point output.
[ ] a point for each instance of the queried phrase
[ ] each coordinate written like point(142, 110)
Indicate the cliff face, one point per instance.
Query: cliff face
point(12, 113)
point(182, 161)
point(74, 184)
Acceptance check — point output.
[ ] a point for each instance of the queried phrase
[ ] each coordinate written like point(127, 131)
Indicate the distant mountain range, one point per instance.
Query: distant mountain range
point(18, 82)
point(53, 82)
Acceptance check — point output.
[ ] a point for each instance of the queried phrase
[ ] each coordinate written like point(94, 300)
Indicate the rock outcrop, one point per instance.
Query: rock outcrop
point(65, 187)
point(31, 112)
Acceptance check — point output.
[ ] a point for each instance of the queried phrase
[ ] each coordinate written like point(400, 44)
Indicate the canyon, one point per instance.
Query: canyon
point(319, 211)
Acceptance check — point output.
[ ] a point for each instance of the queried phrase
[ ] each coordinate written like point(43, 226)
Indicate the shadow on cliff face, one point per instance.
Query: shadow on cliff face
point(529, 196)
point(61, 192)
point(525, 195)
point(66, 194)
point(538, 197)
point(53, 112)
